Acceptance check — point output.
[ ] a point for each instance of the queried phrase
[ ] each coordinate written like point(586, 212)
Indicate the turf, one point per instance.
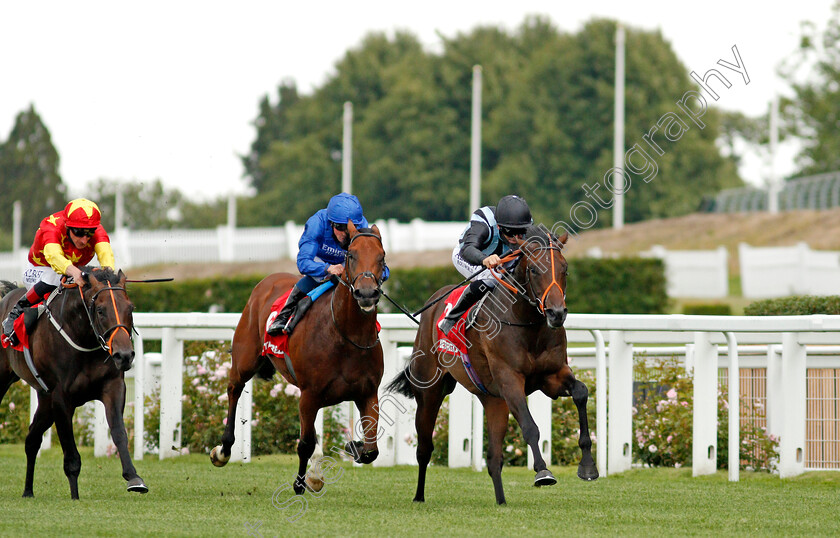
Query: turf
point(190, 497)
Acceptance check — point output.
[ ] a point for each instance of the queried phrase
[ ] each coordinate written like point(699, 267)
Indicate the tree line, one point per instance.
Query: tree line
point(547, 120)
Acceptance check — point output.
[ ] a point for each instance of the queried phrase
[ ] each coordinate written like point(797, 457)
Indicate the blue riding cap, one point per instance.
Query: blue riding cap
point(344, 207)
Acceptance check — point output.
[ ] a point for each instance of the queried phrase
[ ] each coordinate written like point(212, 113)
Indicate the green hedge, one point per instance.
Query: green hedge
point(796, 305)
point(617, 286)
point(611, 286)
point(707, 309)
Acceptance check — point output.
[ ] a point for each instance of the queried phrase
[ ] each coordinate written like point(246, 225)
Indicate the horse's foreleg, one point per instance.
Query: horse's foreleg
point(586, 468)
point(63, 415)
point(113, 397)
point(497, 418)
point(308, 407)
point(514, 395)
point(368, 426)
point(41, 422)
point(240, 373)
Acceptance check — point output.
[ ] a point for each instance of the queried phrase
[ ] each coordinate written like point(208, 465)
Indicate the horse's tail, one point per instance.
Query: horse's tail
point(401, 384)
point(265, 368)
point(6, 287)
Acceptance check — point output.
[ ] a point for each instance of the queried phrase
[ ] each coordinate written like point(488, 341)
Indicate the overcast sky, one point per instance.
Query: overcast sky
point(168, 90)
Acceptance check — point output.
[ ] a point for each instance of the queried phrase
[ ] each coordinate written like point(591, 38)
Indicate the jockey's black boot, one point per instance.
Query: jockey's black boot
point(474, 292)
point(14, 313)
point(278, 326)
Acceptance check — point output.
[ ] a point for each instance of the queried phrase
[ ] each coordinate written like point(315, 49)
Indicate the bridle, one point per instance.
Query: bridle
point(352, 287)
point(531, 298)
point(104, 344)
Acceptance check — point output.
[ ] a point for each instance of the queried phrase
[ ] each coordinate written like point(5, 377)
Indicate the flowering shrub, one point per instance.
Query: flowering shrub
point(14, 414)
point(565, 430)
point(662, 421)
point(275, 423)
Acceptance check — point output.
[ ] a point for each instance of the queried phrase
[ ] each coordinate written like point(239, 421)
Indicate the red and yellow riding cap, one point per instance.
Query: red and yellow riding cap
point(82, 213)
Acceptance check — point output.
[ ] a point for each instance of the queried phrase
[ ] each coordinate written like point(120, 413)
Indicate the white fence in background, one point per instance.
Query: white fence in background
point(794, 270)
point(788, 346)
point(229, 244)
point(689, 273)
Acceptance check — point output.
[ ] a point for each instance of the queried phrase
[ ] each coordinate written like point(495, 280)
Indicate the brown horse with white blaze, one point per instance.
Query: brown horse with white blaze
point(334, 351)
point(517, 345)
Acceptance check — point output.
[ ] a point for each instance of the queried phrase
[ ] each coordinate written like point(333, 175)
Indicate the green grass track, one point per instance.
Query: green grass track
point(190, 497)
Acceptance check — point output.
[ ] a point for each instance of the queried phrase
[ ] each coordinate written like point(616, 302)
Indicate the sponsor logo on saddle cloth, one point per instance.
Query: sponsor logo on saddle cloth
point(456, 342)
point(276, 345)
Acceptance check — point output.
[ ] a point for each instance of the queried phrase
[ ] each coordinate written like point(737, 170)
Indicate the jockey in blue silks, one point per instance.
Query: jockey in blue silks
point(322, 249)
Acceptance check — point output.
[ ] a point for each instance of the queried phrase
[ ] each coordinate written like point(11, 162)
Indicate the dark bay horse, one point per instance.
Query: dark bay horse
point(81, 348)
point(517, 345)
point(334, 351)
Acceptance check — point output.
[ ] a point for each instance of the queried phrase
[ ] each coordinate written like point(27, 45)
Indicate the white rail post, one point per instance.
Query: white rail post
point(704, 420)
point(241, 450)
point(46, 442)
point(139, 397)
point(600, 403)
point(540, 407)
point(775, 390)
point(620, 426)
point(460, 427)
point(794, 413)
point(734, 408)
point(388, 407)
point(171, 390)
point(101, 432)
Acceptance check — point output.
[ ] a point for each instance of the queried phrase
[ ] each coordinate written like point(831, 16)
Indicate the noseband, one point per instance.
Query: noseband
point(536, 302)
point(352, 287)
point(113, 330)
point(366, 274)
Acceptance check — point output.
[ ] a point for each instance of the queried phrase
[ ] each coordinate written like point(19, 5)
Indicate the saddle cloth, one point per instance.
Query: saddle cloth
point(455, 343)
point(279, 345)
point(20, 332)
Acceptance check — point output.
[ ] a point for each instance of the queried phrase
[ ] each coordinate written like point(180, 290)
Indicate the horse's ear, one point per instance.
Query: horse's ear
point(375, 230)
point(563, 238)
point(351, 228)
point(121, 277)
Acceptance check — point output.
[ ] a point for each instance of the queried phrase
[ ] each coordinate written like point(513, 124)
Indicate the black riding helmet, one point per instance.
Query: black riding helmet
point(513, 212)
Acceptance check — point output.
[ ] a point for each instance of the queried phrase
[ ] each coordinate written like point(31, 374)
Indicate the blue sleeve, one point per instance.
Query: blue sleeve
point(309, 244)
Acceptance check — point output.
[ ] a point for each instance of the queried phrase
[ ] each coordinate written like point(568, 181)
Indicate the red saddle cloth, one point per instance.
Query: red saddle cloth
point(456, 342)
point(276, 345)
point(279, 345)
point(20, 332)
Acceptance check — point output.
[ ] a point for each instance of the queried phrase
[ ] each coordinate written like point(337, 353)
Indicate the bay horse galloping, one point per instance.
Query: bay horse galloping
point(334, 354)
point(517, 345)
point(80, 348)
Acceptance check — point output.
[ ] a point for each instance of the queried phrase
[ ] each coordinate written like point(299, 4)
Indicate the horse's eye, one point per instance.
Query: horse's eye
point(100, 310)
point(532, 270)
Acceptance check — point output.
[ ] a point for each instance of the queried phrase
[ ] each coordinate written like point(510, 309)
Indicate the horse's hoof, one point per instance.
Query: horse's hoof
point(544, 478)
point(218, 458)
point(299, 486)
point(28, 495)
point(354, 449)
point(314, 483)
point(368, 456)
point(588, 473)
point(420, 500)
point(137, 485)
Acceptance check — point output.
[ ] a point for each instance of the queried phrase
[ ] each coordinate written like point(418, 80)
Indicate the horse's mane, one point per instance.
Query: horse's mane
point(6, 287)
point(537, 233)
point(102, 274)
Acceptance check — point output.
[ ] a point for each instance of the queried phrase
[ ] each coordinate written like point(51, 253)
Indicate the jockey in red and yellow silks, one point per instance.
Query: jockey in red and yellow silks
point(65, 241)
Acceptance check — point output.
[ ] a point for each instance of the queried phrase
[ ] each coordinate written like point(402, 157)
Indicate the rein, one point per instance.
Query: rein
point(100, 337)
point(351, 286)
